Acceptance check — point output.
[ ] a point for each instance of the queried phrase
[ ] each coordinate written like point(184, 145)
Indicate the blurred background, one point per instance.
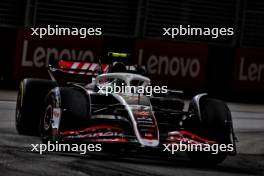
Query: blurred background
point(228, 67)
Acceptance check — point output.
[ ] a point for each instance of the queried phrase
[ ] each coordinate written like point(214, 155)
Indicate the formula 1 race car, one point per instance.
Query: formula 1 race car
point(75, 111)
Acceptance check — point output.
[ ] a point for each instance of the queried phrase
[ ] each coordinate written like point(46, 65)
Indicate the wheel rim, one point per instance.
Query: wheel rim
point(47, 118)
point(18, 106)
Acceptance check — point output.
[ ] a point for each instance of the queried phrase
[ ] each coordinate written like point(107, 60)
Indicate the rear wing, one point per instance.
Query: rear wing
point(82, 68)
point(94, 69)
point(83, 72)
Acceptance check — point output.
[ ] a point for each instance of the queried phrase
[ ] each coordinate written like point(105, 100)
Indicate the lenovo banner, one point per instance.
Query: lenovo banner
point(249, 71)
point(178, 65)
point(33, 53)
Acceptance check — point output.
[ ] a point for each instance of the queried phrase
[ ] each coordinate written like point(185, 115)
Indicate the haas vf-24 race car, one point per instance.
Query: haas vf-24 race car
point(73, 111)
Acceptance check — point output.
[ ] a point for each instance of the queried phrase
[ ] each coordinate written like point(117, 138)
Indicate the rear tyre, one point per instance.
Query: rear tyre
point(216, 125)
point(75, 112)
point(30, 99)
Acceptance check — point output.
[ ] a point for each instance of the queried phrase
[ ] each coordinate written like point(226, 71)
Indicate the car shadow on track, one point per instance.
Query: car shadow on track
point(241, 164)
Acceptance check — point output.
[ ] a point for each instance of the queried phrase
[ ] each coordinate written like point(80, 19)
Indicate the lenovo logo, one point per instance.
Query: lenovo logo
point(250, 71)
point(39, 56)
point(170, 66)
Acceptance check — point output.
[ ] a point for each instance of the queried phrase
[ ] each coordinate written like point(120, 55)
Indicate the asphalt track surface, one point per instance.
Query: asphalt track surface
point(16, 157)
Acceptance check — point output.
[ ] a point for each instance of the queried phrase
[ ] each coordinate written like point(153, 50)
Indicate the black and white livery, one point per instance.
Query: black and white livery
point(65, 109)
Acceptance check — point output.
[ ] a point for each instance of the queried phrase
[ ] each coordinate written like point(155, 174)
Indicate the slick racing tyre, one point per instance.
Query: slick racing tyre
point(216, 125)
point(31, 95)
point(74, 105)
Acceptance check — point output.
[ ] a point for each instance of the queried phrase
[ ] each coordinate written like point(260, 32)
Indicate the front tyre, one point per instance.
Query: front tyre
point(216, 125)
point(31, 95)
point(73, 106)
point(46, 131)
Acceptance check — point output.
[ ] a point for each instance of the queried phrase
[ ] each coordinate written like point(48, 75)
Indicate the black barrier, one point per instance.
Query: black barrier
point(7, 55)
point(219, 71)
